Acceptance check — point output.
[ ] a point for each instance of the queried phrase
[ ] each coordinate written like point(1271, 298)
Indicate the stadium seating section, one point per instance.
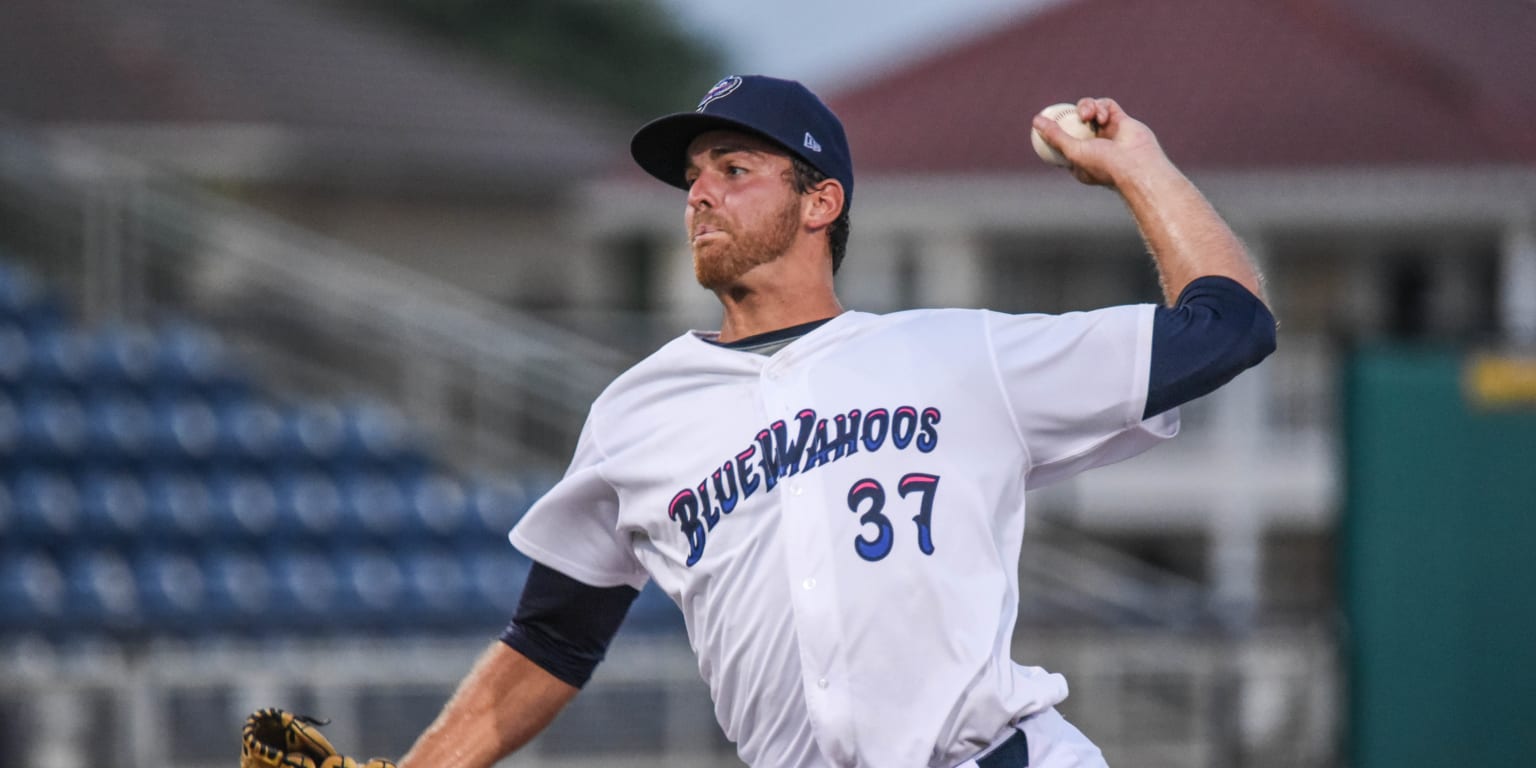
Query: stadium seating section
point(149, 487)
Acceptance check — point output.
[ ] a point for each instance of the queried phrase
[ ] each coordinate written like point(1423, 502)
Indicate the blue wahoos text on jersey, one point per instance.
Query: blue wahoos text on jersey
point(780, 450)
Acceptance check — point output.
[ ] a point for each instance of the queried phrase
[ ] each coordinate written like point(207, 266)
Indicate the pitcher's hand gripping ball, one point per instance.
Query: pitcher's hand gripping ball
point(1066, 116)
point(273, 738)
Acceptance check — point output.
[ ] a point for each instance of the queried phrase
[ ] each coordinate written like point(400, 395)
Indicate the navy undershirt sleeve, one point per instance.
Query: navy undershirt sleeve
point(565, 626)
point(1217, 330)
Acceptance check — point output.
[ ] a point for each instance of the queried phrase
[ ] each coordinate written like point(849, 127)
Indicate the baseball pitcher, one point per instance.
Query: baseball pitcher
point(835, 499)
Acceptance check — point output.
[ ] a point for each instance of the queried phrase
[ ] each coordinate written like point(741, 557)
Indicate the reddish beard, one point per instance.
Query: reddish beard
point(720, 265)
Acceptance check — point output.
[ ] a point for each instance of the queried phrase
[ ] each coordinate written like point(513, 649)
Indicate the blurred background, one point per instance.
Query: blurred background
point(303, 303)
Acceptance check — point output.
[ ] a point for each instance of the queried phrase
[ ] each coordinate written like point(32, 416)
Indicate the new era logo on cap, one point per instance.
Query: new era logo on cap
point(782, 111)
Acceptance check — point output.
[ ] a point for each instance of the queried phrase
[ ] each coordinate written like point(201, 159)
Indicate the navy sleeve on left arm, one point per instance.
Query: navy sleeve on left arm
point(1217, 330)
point(565, 626)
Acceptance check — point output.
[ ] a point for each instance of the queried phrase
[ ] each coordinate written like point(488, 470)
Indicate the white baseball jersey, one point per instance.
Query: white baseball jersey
point(840, 522)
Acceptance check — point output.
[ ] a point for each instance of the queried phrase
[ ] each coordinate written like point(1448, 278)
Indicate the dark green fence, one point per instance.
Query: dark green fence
point(1439, 560)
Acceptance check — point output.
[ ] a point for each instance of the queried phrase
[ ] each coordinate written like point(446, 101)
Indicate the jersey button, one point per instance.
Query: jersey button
point(796, 490)
point(822, 683)
point(808, 583)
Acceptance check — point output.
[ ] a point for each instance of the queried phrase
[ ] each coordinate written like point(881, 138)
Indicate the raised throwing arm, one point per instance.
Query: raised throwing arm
point(1188, 239)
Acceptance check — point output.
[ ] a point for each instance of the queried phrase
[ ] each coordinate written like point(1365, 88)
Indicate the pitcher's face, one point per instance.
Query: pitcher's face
point(743, 210)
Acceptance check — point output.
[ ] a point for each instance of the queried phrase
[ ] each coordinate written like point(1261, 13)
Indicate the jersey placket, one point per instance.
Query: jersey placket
point(806, 537)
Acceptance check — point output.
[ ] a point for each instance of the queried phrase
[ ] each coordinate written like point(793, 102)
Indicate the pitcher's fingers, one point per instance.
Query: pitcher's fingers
point(1058, 138)
point(1102, 111)
point(1051, 131)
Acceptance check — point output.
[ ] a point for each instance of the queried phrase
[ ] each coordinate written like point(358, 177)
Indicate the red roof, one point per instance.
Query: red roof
point(1237, 84)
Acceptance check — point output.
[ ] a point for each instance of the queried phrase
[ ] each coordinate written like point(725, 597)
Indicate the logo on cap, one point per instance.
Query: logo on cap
point(811, 143)
point(720, 90)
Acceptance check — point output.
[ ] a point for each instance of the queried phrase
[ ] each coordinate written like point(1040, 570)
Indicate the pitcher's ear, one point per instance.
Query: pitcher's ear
point(824, 203)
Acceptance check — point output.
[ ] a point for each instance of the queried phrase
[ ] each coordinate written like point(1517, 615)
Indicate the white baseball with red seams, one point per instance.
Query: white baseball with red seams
point(841, 521)
point(1066, 116)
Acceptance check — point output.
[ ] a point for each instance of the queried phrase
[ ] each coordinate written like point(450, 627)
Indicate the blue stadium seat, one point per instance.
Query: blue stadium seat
point(180, 506)
point(103, 596)
point(307, 590)
point(242, 592)
point(10, 428)
point(373, 590)
point(245, 506)
point(7, 511)
point(315, 432)
point(186, 431)
point(15, 356)
point(53, 427)
point(25, 300)
point(62, 357)
point(173, 590)
point(377, 437)
point(497, 575)
point(438, 504)
point(120, 427)
point(250, 431)
point(125, 356)
point(114, 505)
point(33, 593)
point(373, 504)
point(47, 504)
point(145, 488)
point(309, 505)
point(495, 505)
point(438, 586)
point(194, 359)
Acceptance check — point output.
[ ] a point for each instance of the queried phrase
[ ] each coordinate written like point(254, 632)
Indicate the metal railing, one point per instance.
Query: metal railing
point(492, 386)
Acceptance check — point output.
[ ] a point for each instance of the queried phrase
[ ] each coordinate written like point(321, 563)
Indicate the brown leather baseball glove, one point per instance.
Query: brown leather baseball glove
point(273, 738)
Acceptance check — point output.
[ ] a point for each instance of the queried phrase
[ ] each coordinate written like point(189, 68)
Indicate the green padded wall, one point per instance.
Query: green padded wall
point(1438, 565)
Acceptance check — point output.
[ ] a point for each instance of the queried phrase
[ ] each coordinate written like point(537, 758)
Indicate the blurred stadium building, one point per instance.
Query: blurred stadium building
point(298, 313)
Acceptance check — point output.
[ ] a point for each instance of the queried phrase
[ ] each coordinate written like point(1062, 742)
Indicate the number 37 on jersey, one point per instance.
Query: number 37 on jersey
point(782, 449)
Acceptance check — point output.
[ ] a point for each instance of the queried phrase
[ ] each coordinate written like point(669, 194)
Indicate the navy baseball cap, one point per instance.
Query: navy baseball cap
point(782, 111)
